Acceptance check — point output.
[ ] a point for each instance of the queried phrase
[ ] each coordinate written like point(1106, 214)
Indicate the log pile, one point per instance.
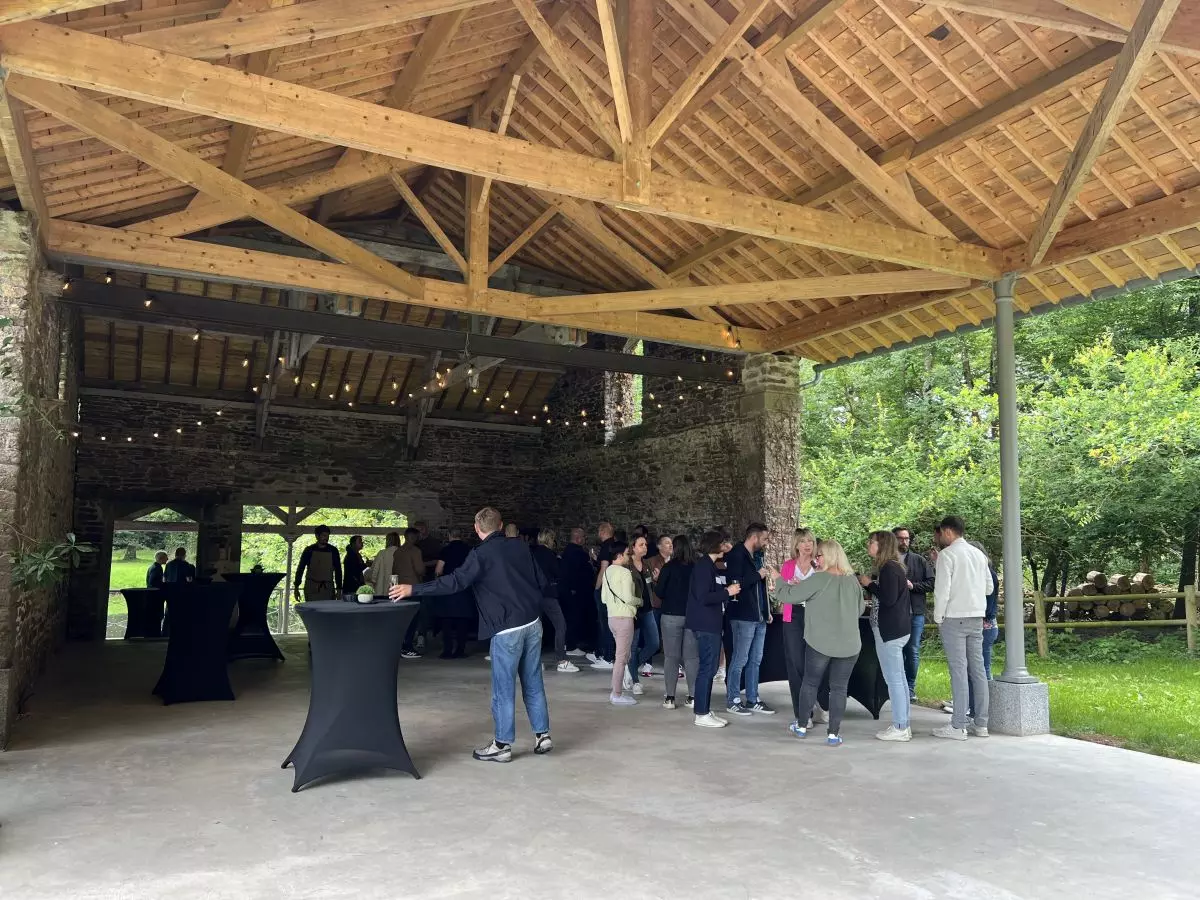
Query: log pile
point(1101, 596)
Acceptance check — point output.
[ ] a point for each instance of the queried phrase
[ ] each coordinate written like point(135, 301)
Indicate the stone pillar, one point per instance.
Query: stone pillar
point(219, 539)
point(36, 459)
point(767, 469)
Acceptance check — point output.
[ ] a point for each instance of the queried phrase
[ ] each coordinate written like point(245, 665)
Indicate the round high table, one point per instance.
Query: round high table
point(353, 723)
point(145, 607)
point(195, 667)
point(251, 637)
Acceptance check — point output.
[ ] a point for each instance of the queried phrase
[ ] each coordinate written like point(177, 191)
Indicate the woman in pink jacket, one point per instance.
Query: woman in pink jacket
point(803, 563)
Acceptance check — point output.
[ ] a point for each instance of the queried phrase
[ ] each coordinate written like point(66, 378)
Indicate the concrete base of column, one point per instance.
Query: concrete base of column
point(1019, 709)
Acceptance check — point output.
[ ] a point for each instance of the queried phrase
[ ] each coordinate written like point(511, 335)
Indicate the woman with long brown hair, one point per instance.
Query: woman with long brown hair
point(891, 622)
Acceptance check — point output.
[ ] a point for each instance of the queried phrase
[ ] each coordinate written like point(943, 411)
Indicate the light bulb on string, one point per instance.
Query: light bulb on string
point(681, 396)
point(255, 389)
point(146, 303)
point(156, 434)
point(103, 438)
point(506, 395)
point(66, 284)
point(179, 431)
point(129, 440)
point(545, 408)
point(75, 434)
point(331, 396)
point(313, 385)
point(349, 402)
point(245, 362)
point(296, 380)
point(199, 424)
point(346, 386)
point(196, 336)
point(108, 277)
point(220, 412)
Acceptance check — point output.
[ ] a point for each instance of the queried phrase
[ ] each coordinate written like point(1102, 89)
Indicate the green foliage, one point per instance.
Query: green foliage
point(45, 565)
point(1109, 444)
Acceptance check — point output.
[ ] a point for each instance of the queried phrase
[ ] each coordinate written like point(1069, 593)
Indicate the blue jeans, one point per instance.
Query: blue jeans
point(748, 640)
point(990, 634)
point(891, 662)
point(708, 645)
point(912, 653)
point(518, 654)
point(645, 635)
point(605, 646)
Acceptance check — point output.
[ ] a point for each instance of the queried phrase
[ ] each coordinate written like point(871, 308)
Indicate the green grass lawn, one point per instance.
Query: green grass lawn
point(1147, 702)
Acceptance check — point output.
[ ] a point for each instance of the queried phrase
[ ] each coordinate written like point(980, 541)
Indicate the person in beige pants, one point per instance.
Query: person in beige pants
point(622, 599)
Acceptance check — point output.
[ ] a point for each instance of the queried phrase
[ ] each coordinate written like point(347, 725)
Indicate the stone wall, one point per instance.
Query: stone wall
point(36, 459)
point(322, 460)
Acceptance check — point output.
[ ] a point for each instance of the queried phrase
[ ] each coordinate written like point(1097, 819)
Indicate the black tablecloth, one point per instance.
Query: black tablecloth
point(251, 636)
point(352, 723)
point(195, 665)
point(145, 607)
point(866, 681)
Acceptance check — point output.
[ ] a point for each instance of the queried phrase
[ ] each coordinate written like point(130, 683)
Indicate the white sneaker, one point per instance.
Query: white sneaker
point(487, 658)
point(950, 733)
point(602, 664)
point(819, 716)
point(892, 733)
point(626, 680)
point(709, 721)
point(567, 666)
point(638, 690)
point(720, 675)
point(948, 708)
point(669, 703)
point(977, 730)
point(646, 670)
point(622, 700)
point(591, 657)
point(577, 652)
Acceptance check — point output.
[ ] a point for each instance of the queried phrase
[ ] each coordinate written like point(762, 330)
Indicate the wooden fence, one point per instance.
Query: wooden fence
point(1189, 622)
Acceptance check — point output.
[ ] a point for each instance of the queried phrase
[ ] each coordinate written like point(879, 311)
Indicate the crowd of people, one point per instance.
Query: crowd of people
point(706, 605)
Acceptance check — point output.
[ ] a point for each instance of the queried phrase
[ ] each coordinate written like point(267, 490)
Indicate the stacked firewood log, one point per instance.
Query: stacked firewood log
point(1101, 596)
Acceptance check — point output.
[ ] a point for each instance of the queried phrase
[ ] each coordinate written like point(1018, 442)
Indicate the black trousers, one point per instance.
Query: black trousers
point(793, 655)
point(454, 635)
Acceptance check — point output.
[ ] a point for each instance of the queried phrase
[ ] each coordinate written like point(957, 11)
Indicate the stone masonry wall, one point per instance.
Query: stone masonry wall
point(312, 460)
point(36, 460)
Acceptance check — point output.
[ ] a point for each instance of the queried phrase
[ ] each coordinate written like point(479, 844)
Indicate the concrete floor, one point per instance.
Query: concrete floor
point(107, 794)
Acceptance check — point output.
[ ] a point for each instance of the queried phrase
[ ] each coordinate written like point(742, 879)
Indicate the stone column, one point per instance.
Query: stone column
point(219, 539)
point(767, 469)
point(36, 459)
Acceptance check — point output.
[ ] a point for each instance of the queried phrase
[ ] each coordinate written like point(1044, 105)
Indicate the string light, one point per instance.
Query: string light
point(199, 424)
point(245, 362)
point(502, 406)
point(583, 413)
point(220, 412)
point(129, 440)
point(103, 438)
point(74, 434)
point(651, 396)
point(395, 385)
point(506, 395)
point(346, 386)
point(296, 380)
point(267, 376)
point(313, 385)
point(349, 402)
point(108, 277)
point(679, 378)
point(255, 389)
point(179, 431)
point(410, 396)
point(66, 285)
point(146, 303)
point(681, 396)
point(196, 336)
point(156, 434)
point(331, 396)
point(393, 402)
point(729, 373)
point(703, 358)
point(545, 409)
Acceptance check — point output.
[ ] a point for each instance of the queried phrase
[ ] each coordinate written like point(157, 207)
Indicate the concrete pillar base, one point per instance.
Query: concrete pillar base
point(1019, 709)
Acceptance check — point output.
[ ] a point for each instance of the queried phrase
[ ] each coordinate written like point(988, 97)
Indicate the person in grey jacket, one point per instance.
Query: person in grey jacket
point(834, 601)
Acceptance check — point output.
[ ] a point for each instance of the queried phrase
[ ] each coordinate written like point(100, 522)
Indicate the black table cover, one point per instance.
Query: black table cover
point(195, 668)
point(866, 681)
point(352, 723)
point(145, 607)
point(251, 636)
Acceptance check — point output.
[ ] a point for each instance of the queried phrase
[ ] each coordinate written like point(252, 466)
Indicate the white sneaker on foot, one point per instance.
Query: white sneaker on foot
point(668, 703)
point(950, 733)
point(709, 721)
point(577, 652)
point(638, 690)
point(591, 657)
point(626, 680)
point(977, 730)
point(819, 716)
point(892, 733)
point(720, 674)
point(622, 700)
point(567, 666)
point(948, 708)
point(646, 670)
point(602, 664)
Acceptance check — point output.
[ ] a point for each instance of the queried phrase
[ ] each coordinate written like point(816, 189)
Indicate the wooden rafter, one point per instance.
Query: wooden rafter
point(1135, 56)
point(69, 105)
point(501, 129)
point(427, 219)
point(20, 10)
point(530, 231)
point(518, 64)
point(616, 68)
point(38, 50)
point(96, 245)
point(14, 138)
point(781, 291)
point(478, 221)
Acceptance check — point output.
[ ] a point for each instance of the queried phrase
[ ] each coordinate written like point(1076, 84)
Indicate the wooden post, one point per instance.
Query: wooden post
point(1039, 619)
point(1189, 608)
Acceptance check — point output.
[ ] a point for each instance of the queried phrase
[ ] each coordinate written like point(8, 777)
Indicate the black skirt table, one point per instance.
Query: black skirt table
point(251, 636)
point(195, 668)
point(353, 723)
point(145, 606)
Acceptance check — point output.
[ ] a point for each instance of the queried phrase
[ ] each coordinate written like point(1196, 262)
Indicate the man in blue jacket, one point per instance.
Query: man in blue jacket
point(749, 613)
point(508, 589)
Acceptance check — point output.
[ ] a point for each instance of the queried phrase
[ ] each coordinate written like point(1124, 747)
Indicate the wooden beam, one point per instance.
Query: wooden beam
point(753, 292)
point(478, 219)
point(1175, 212)
point(70, 106)
point(303, 23)
point(634, 24)
point(616, 68)
point(501, 129)
point(522, 239)
point(563, 63)
point(211, 212)
point(18, 150)
point(427, 219)
point(1135, 56)
point(518, 64)
point(95, 245)
point(21, 10)
point(704, 69)
point(903, 156)
point(46, 51)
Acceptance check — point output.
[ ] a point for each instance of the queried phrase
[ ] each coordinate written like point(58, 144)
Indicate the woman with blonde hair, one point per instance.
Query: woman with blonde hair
point(622, 598)
point(799, 567)
point(891, 623)
point(833, 601)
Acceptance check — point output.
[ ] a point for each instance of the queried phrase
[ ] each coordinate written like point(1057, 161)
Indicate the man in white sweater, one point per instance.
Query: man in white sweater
point(960, 590)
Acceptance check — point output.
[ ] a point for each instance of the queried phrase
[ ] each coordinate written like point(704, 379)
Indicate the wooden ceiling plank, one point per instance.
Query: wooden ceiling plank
point(1135, 56)
point(518, 64)
point(566, 68)
point(427, 219)
point(751, 292)
point(530, 231)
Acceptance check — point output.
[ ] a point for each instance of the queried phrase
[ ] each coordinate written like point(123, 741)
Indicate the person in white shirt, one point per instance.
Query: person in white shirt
point(960, 588)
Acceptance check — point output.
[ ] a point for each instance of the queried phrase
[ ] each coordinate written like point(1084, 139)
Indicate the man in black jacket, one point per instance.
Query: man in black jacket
point(749, 614)
point(575, 594)
point(920, 583)
point(508, 589)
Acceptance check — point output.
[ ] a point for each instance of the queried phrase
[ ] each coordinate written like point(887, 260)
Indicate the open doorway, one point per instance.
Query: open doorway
point(134, 546)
